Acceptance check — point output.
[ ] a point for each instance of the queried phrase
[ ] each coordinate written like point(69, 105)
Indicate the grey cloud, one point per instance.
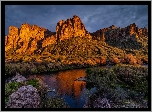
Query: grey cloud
point(93, 17)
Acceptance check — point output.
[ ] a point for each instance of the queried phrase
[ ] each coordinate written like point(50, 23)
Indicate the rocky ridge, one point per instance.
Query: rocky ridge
point(119, 33)
point(72, 27)
point(30, 39)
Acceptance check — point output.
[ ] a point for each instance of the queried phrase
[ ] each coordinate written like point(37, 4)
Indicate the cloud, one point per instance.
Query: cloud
point(94, 17)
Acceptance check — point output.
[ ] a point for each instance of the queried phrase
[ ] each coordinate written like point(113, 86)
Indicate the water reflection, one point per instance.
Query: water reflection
point(65, 84)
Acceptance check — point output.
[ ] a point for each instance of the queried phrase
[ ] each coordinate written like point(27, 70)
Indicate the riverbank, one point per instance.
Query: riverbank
point(121, 86)
point(19, 93)
point(27, 68)
point(115, 85)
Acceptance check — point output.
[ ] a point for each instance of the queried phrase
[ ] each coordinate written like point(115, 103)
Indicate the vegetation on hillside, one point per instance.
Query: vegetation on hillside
point(79, 52)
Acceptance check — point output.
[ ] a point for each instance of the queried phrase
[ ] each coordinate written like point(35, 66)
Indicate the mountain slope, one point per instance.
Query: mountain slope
point(72, 43)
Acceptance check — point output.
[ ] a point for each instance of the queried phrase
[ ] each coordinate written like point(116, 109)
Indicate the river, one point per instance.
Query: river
point(74, 92)
point(65, 84)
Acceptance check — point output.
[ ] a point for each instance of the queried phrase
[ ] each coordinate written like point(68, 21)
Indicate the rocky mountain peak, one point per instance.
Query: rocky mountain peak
point(72, 27)
point(27, 38)
point(31, 38)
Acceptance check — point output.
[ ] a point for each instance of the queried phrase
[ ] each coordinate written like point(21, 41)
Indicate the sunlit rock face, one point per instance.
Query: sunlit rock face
point(72, 27)
point(28, 38)
point(12, 38)
point(100, 34)
point(50, 40)
point(31, 39)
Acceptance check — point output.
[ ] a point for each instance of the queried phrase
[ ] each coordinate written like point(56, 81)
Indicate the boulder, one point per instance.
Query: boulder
point(24, 97)
point(18, 78)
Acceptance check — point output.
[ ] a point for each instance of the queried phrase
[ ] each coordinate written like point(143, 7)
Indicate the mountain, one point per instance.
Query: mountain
point(72, 43)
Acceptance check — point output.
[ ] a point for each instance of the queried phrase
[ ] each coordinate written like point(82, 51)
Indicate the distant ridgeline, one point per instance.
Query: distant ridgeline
point(72, 43)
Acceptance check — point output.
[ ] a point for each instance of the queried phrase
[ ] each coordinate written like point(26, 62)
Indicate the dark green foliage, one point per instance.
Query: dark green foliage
point(11, 87)
point(121, 83)
point(102, 77)
point(33, 82)
point(135, 77)
point(54, 102)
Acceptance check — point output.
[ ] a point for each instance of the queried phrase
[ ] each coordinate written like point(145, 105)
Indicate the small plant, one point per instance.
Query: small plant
point(33, 82)
point(12, 87)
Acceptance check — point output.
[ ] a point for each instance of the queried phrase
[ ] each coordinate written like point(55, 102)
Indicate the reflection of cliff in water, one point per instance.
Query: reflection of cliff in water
point(64, 82)
point(67, 85)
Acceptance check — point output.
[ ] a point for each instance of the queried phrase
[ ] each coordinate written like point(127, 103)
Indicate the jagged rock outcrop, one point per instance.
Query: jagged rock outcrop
point(72, 27)
point(100, 34)
point(12, 38)
point(24, 97)
point(115, 33)
point(31, 39)
point(28, 38)
point(50, 40)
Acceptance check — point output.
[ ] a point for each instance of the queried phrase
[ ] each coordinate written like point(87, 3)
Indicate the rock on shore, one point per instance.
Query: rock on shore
point(24, 97)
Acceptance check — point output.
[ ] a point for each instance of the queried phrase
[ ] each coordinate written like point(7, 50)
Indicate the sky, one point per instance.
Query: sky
point(94, 17)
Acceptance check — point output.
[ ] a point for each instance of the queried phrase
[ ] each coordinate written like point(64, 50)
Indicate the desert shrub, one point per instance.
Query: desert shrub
point(11, 87)
point(103, 60)
point(115, 60)
point(103, 78)
point(117, 94)
point(139, 61)
point(131, 59)
point(54, 102)
point(135, 77)
point(41, 68)
point(145, 60)
point(33, 82)
point(6, 69)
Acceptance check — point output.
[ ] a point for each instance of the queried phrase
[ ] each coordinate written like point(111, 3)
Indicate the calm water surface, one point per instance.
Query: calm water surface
point(64, 82)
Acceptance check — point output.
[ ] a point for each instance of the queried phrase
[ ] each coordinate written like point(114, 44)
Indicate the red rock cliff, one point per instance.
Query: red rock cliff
point(72, 27)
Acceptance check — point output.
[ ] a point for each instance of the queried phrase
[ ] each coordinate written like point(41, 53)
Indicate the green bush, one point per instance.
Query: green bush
point(103, 78)
point(33, 82)
point(12, 87)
